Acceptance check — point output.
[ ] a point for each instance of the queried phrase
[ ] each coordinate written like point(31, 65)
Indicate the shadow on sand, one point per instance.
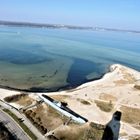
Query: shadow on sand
point(112, 129)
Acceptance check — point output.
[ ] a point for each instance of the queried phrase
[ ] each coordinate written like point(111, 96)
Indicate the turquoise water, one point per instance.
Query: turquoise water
point(39, 59)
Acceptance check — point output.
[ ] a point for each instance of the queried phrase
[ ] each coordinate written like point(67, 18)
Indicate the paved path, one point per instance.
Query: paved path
point(13, 126)
point(26, 121)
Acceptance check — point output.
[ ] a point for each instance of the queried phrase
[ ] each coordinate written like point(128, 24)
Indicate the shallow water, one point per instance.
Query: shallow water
point(48, 59)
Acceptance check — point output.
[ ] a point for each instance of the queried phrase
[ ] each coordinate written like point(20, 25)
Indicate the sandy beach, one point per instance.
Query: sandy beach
point(116, 87)
point(98, 100)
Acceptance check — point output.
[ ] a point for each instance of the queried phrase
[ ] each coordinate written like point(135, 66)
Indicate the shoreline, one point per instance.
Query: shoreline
point(110, 70)
point(67, 88)
point(55, 89)
point(113, 73)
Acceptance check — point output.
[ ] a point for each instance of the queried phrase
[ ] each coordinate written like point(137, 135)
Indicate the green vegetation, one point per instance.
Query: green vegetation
point(104, 106)
point(22, 125)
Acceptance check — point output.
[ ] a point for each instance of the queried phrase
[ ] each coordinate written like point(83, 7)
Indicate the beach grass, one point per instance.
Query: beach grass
point(104, 106)
point(130, 115)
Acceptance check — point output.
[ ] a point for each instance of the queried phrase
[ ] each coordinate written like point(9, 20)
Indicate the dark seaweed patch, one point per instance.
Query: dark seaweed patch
point(22, 56)
point(80, 69)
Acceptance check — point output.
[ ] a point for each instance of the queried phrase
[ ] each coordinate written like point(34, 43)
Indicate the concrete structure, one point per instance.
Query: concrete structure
point(63, 109)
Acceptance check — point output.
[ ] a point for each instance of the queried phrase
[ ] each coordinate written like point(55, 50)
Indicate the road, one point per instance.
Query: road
point(26, 121)
point(13, 126)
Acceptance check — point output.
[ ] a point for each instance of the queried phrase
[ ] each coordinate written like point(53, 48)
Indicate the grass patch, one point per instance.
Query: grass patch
point(84, 102)
point(107, 97)
point(104, 106)
point(137, 87)
point(36, 121)
point(134, 137)
point(79, 132)
point(14, 98)
point(130, 115)
point(22, 125)
point(44, 118)
point(97, 130)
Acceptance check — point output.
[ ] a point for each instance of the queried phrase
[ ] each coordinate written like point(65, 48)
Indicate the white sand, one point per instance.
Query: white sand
point(4, 93)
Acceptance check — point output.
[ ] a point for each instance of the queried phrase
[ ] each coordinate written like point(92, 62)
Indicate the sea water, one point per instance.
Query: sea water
point(42, 59)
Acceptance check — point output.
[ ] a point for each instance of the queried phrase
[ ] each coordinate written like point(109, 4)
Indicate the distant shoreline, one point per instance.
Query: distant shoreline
point(62, 26)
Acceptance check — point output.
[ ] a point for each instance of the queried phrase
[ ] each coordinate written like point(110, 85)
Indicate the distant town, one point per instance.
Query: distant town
point(57, 26)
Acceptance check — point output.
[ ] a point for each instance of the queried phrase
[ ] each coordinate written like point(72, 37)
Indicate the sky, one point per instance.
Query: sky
point(122, 14)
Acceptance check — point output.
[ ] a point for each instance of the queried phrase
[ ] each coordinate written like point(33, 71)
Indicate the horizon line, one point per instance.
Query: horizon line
point(59, 25)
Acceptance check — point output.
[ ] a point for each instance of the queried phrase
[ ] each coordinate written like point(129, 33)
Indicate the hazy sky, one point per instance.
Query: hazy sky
point(105, 13)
